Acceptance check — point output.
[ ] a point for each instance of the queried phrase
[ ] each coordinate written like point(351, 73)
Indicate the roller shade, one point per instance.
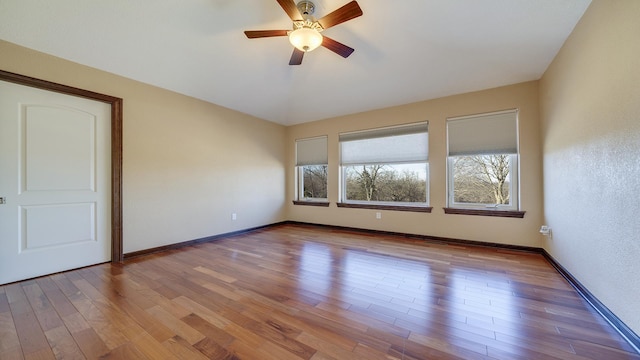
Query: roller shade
point(311, 151)
point(400, 144)
point(494, 133)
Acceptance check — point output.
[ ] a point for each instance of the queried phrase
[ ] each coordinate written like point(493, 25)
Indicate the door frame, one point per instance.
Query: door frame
point(116, 146)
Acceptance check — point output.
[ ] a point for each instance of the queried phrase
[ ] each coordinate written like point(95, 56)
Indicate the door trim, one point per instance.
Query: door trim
point(116, 147)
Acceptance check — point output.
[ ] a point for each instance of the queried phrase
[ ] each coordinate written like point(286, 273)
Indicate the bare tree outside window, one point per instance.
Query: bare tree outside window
point(314, 179)
point(482, 179)
point(387, 183)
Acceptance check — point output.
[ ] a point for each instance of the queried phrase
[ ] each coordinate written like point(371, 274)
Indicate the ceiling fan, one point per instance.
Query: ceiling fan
point(305, 35)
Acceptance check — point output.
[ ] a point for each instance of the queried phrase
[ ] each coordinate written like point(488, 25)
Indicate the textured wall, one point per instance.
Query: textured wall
point(481, 228)
point(187, 164)
point(590, 108)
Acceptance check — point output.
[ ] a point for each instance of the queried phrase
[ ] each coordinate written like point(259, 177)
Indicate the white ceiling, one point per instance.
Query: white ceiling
point(405, 50)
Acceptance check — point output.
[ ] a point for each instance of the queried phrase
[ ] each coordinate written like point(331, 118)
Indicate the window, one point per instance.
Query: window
point(483, 161)
point(387, 166)
point(311, 169)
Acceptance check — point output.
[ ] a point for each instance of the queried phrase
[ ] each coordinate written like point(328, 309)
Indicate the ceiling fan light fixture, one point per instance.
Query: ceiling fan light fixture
point(305, 35)
point(305, 39)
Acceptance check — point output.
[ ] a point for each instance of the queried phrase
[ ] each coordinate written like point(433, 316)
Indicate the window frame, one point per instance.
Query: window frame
point(313, 155)
point(383, 205)
point(300, 185)
point(502, 210)
point(513, 188)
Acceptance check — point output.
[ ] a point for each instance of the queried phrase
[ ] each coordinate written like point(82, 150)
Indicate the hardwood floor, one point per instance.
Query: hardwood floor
point(302, 292)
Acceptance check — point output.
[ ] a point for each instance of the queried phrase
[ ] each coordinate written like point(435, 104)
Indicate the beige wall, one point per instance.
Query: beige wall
point(481, 228)
point(187, 164)
point(590, 109)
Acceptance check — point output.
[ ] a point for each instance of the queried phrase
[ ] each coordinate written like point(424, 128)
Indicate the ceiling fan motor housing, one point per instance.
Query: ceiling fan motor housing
point(306, 8)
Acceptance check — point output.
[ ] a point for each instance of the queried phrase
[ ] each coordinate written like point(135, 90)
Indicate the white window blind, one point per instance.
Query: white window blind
point(492, 133)
point(399, 144)
point(311, 151)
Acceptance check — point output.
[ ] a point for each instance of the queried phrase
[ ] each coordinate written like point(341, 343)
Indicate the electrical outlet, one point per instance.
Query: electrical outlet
point(234, 216)
point(545, 230)
point(378, 215)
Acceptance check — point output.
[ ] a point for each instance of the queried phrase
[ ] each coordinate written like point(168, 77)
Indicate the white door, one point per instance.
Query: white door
point(55, 184)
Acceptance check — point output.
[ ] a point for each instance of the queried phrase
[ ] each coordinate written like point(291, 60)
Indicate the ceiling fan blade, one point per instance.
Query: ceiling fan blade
point(338, 48)
point(296, 57)
point(350, 11)
point(291, 9)
point(252, 34)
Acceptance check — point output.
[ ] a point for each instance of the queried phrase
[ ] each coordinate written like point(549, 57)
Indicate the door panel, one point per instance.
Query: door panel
point(58, 150)
point(41, 225)
point(55, 176)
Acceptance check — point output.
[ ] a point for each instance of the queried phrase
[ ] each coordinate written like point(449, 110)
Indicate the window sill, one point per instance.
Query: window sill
point(312, 203)
point(482, 212)
point(425, 209)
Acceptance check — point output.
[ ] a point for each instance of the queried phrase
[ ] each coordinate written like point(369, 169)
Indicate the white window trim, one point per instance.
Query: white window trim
point(315, 153)
point(514, 188)
point(300, 185)
point(383, 132)
point(500, 142)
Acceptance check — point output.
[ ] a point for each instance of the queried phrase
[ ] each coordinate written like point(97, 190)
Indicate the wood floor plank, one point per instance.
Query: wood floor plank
point(18, 302)
point(62, 344)
point(9, 341)
point(151, 348)
point(60, 302)
point(181, 329)
point(90, 343)
point(243, 350)
point(30, 334)
point(307, 292)
point(451, 345)
point(44, 311)
point(213, 350)
point(324, 332)
point(75, 322)
point(4, 302)
point(603, 336)
point(151, 325)
point(182, 349)
point(126, 351)
point(327, 347)
point(367, 352)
